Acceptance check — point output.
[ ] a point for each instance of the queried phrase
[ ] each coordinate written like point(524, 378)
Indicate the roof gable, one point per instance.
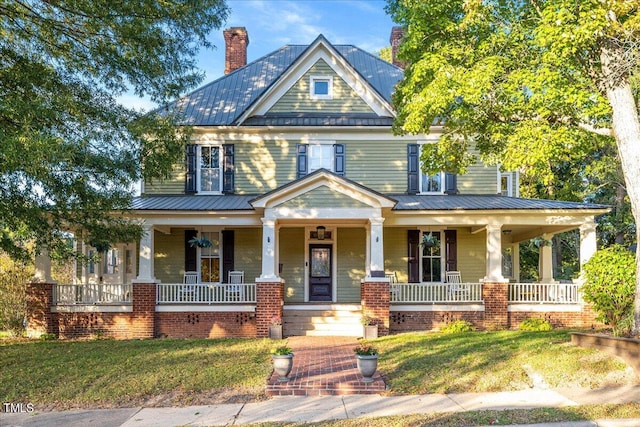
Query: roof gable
point(223, 101)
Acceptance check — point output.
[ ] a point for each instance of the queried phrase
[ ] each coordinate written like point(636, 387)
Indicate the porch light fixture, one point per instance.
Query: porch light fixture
point(506, 232)
point(320, 230)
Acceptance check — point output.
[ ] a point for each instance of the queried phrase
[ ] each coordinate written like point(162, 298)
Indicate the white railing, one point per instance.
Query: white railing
point(96, 293)
point(436, 292)
point(544, 293)
point(207, 293)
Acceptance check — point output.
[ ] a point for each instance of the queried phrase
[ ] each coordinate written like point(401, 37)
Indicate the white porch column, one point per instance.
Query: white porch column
point(146, 267)
point(588, 241)
point(494, 254)
point(43, 268)
point(377, 247)
point(546, 260)
point(268, 249)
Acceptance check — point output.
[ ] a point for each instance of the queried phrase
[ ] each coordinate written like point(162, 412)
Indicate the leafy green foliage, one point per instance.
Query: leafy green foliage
point(365, 349)
point(535, 324)
point(610, 286)
point(457, 326)
point(283, 350)
point(14, 276)
point(70, 153)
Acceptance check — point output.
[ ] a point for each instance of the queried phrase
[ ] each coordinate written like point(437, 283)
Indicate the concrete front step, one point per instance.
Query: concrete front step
point(323, 320)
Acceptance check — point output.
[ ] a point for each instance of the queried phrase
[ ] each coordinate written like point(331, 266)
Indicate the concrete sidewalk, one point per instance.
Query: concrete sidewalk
point(317, 409)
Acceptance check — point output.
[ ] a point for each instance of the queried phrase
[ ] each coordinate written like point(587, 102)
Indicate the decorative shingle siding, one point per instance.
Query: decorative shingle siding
point(298, 99)
point(351, 263)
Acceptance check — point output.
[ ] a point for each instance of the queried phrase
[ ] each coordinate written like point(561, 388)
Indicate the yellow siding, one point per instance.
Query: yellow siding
point(174, 184)
point(248, 252)
point(351, 263)
point(255, 163)
point(298, 98)
point(379, 165)
point(471, 255)
point(395, 253)
point(169, 256)
point(479, 179)
point(323, 197)
point(292, 260)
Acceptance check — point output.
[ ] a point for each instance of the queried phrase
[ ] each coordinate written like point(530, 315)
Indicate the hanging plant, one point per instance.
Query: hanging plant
point(100, 245)
point(429, 241)
point(201, 242)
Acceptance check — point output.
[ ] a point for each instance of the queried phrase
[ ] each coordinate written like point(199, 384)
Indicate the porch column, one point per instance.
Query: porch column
point(376, 262)
point(43, 268)
point(494, 254)
point(588, 241)
point(268, 248)
point(146, 268)
point(546, 260)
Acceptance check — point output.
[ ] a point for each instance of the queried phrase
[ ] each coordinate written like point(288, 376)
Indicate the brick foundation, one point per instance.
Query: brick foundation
point(269, 296)
point(563, 319)
point(375, 303)
point(144, 310)
point(206, 324)
point(407, 321)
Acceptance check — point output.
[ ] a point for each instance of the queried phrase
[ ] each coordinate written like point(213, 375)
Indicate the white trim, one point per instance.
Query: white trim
point(544, 308)
point(313, 94)
point(86, 308)
point(174, 308)
point(334, 261)
point(269, 280)
point(312, 307)
point(436, 307)
point(320, 49)
point(509, 189)
point(198, 168)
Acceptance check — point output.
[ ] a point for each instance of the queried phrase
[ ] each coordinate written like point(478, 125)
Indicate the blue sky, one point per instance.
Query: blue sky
point(275, 23)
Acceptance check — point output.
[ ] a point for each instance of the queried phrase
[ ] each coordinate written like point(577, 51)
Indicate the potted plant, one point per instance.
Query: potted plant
point(370, 327)
point(282, 362)
point(429, 240)
point(201, 242)
point(275, 328)
point(367, 360)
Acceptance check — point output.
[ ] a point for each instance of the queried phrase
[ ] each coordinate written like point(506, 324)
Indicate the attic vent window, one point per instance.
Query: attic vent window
point(321, 87)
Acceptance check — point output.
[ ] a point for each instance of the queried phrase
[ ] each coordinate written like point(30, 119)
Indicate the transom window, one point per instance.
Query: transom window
point(210, 258)
point(432, 260)
point(321, 157)
point(209, 170)
point(321, 87)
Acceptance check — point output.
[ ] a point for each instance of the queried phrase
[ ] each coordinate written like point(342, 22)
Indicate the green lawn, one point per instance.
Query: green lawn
point(419, 363)
point(164, 372)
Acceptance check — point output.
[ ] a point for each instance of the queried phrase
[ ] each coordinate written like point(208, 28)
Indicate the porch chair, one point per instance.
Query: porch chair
point(188, 288)
point(235, 288)
point(457, 290)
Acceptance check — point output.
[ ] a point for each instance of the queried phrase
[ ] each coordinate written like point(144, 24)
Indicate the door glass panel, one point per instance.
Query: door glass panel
point(320, 262)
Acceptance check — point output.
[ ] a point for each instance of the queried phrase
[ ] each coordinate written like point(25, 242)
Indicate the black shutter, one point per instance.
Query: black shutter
point(227, 254)
point(339, 159)
point(228, 185)
point(413, 269)
point(190, 253)
point(301, 160)
point(191, 165)
point(450, 183)
point(451, 249)
point(413, 168)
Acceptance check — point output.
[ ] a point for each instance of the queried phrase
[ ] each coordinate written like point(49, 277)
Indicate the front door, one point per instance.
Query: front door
point(320, 283)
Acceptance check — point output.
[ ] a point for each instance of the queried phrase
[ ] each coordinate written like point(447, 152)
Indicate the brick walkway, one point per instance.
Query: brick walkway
point(323, 366)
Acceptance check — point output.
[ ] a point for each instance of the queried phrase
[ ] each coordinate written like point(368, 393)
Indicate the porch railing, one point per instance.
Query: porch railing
point(96, 293)
point(207, 293)
point(436, 292)
point(544, 293)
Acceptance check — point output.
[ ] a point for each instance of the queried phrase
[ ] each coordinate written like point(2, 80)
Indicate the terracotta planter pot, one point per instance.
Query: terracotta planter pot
point(282, 366)
point(367, 366)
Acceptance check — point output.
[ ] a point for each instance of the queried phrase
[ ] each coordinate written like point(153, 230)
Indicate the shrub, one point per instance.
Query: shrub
point(457, 326)
point(610, 279)
point(535, 324)
point(365, 349)
point(14, 276)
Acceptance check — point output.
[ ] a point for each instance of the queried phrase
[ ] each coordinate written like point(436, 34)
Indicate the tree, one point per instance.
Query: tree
point(532, 83)
point(69, 153)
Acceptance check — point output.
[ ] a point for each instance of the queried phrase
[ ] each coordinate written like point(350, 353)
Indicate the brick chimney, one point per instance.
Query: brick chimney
point(397, 34)
point(236, 41)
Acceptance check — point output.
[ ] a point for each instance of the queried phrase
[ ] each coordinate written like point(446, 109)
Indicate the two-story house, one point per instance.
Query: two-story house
point(296, 201)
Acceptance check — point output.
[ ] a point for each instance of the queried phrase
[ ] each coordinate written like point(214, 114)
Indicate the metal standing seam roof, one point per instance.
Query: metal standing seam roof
point(222, 102)
point(232, 202)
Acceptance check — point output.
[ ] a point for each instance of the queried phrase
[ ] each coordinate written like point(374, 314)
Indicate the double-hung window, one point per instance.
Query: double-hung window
point(210, 176)
point(210, 258)
point(321, 156)
point(431, 183)
point(506, 184)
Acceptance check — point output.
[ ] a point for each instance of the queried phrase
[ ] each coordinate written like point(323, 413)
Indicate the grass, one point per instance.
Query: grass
point(417, 363)
point(166, 372)
point(106, 373)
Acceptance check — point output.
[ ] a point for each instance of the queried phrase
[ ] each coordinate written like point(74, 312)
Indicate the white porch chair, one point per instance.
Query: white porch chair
point(458, 291)
point(188, 289)
point(235, 289)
